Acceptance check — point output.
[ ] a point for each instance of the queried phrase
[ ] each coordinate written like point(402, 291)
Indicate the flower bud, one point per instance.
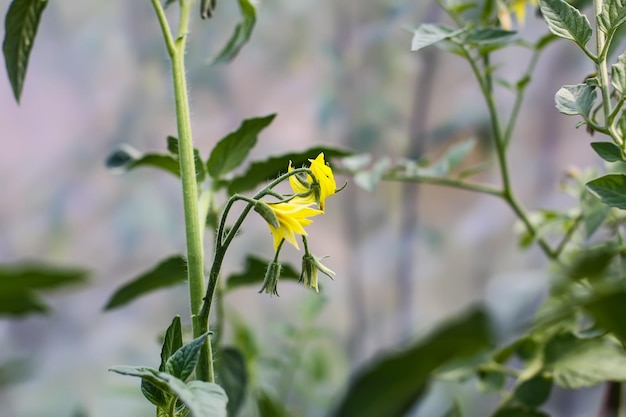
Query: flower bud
point(272, 275)
point(267, 213)
point(310, 266)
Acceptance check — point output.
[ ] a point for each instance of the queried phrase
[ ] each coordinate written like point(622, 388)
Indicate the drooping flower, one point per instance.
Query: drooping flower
point(316, 188)
point(292, 218)
point(310, 266)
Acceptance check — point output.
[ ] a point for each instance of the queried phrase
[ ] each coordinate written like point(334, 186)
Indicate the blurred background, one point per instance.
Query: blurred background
point(336, 72)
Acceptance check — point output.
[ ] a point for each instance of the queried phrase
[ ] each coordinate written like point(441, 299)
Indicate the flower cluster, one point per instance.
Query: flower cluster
point(288, 218)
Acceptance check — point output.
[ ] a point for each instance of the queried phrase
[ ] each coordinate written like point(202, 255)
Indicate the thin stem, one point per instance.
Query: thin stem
point(568, 235)
point(601, 64)
point(165, 27)
point(480, 188)
point(507, 192)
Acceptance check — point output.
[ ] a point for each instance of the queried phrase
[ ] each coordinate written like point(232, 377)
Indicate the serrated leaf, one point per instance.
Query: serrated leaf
point(575, 99)
point(618, 74)
point(233, 149)
point(566, 21)
point(21, 25)
point(261, 171)
point(429, 34)
point(577, 363)
point(613, 15)
point(171, 271)
point(391, 386)
point(610, 189)
point(20, 283)
point(608, 151)
point(241, 35)
point(232, 375)
point(183, 362)
point(254, 273)
point(172, 341)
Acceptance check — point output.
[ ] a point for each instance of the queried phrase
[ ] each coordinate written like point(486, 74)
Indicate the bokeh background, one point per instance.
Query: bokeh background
point(336, 72)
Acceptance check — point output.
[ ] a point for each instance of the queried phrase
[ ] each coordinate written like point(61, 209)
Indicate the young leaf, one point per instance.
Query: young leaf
point(183, 362)
point(169, 272)
point(618, 74)
point(610, 189)
point(575, 99)
point(145, 373)
point(20, 283)
point(21, 24)
point(262, 171)
point(591, 262)
point(233, 149)
point(269, 406)
point(153, 394)
point(577, 363)
point(241, 35)
point(127, 158)
point(254, 272)
point(613, 15)
point(172, 342)
point(428, 34)
point(232, 375)
point(391, 386)
point(608, 151)
point(566, 21)
point(168, 3)
point(490, 36)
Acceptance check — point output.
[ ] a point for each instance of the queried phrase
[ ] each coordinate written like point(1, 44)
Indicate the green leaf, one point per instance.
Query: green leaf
point(566, 21)
point(390, 386)
point(618, 73)
point(127, 158)
point(20, 25)
point(241, 35)
point(254, 273)
point(153, 394)
point(608, 151)
point(591, 262)
point(533, 392)
point(518, 412)
point(577, 363)
point(576, 99)
point(232, 375)
point(203, 399)
point(369, 180)
point(172, 342)
point(610, 189)
point(594, 213)
point(490, 36)
point(168, 3)
point(613, 15)
point(232, 150)
point(491, 380)
point(171, 271)
point(183, 362)
point(428, 34)
point(172, 146)
point(452, 158)
point(269, 406)
point(20, 283)
point(261, 171)
point(608, 311)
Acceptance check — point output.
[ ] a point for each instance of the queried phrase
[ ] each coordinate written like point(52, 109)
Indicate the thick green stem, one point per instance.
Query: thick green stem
point(193, 227)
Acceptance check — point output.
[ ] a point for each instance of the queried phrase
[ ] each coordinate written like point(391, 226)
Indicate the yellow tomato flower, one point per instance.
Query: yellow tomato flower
point(515, 7)
point(314, 189)
point(292, 218)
